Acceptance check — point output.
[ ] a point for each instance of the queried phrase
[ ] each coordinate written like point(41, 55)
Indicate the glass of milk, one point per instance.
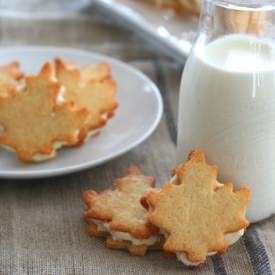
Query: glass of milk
point(227, 97)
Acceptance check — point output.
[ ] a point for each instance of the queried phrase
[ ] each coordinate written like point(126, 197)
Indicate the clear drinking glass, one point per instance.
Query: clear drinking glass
point(227, 97)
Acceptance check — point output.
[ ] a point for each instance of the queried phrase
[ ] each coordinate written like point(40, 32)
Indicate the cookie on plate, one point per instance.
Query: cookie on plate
point(119, 216)
point(91, 71)
point(183, 7)
point(189, 6)
point(137, 250)
point(198, 215)
point(34, 123)
point(90, 87)
point(10, 76)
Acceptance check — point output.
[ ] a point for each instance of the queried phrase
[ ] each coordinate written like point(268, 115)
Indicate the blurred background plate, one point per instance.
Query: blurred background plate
point(139, 113)
point(169, 32)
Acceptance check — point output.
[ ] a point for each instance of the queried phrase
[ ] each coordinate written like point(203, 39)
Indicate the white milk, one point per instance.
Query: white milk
point(227, 109)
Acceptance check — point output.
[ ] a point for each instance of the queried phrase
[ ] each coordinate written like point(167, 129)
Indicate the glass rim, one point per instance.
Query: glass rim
point(244, 4)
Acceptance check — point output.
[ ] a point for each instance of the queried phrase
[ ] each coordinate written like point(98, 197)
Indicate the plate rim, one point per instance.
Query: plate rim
point(79, 167)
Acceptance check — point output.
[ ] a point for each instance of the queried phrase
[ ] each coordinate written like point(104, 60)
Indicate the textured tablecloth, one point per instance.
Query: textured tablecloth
point(41, 226)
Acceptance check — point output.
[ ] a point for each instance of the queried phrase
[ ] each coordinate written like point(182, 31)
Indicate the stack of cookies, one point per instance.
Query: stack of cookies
point(62, 105)
point(190, 217)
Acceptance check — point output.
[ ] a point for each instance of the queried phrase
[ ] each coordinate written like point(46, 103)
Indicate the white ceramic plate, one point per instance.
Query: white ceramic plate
point(173, 34)
point(139, 112)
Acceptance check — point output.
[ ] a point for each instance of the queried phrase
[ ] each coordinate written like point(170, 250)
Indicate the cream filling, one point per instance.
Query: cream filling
point(91, 133)
point(8, 148)
point(56, 146)
point(230, 237)
point(101, 226)
point(94, 132)
point(40, 157)
point(173, 179)
point(20, 85)
point(60, 97)
point(123, 236)
point(118, 236)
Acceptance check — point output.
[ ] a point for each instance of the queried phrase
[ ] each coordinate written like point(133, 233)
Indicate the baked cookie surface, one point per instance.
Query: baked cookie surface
point(91, 87)
point(34, 124)
point(120, 214)
point(197, 214)
point(10, 75)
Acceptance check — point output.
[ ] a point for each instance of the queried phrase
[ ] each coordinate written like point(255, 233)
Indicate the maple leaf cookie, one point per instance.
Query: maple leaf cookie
point(198, 215)
point(91, 71)
point(10, 76)
point(119, 216)
point(97, 71)
point(91, 87)
point(34, 124)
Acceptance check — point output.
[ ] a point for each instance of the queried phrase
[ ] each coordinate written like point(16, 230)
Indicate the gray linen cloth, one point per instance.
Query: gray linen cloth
point(41, 226)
